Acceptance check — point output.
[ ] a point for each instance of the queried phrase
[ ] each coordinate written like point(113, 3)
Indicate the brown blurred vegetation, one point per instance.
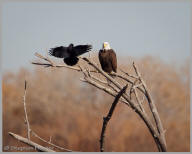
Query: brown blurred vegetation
point(61, 106)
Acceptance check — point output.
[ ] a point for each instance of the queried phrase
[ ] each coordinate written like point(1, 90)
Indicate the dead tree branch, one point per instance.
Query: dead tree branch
point(52, 64)
point(155, 130)
point(139, 102)
point(31, 143)
point(133, 105)
point(102, 72)
point(27, 140)
point(25, 110)
point(45, 58)
point(153, 108)
point(107, 90)
point(108, 117)
point(49, 142)
point(129, 75)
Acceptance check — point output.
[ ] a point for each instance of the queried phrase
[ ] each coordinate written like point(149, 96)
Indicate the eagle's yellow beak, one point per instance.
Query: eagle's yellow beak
point(104, 45)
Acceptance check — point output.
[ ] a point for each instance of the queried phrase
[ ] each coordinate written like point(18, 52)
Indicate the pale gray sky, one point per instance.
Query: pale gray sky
point(161, 29)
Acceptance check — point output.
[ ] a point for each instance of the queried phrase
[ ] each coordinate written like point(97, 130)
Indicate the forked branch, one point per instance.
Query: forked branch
point(153, 108)
point(28, 140)
point(156, 130)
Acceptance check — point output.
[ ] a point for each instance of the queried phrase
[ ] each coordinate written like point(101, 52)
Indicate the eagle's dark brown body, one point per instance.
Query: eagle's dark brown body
point(108, 60)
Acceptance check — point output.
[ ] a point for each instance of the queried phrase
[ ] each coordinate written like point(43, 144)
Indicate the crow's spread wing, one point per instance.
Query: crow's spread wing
point(59, 52)
point(81, 49)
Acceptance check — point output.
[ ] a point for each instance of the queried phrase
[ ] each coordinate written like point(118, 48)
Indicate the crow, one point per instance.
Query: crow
point(70, 53)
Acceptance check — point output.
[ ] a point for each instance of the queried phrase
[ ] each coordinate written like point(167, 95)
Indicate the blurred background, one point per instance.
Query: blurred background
point(156, 35)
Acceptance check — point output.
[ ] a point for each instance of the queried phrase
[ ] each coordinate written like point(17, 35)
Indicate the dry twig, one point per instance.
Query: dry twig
point(129, 75)
point(49, 142)
point(25, 110)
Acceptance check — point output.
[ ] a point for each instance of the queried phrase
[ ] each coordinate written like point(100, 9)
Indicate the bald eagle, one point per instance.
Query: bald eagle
point(70, 53)
point(107, 58)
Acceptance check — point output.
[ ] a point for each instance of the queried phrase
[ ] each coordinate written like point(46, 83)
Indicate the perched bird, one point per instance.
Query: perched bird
point(70, 53)
point(107, 58)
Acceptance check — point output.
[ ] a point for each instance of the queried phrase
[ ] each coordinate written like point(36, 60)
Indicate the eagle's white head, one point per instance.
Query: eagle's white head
point(106, 46)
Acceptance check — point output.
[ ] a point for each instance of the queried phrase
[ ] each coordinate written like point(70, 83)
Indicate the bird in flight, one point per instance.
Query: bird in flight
point(107, 58)
point(70, 53)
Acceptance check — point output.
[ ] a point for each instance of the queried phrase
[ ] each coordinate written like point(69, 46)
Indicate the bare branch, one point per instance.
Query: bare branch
point(127, 80)
point(102, 72)
point(45, 58)
point(107, 90)
point(96, 79)
point(29, 131)
point(77, 69)
point(143, 115)
point(138, 100)
point(31, 143)
point(83, 71)
point(25, 110)
point(108, 117)
point(49, 142)
point(50, 138)
point(112, 87)
point(51, 63)
point(132, 88)
point(136, 106)
point(129, 75)
point(153, 109)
